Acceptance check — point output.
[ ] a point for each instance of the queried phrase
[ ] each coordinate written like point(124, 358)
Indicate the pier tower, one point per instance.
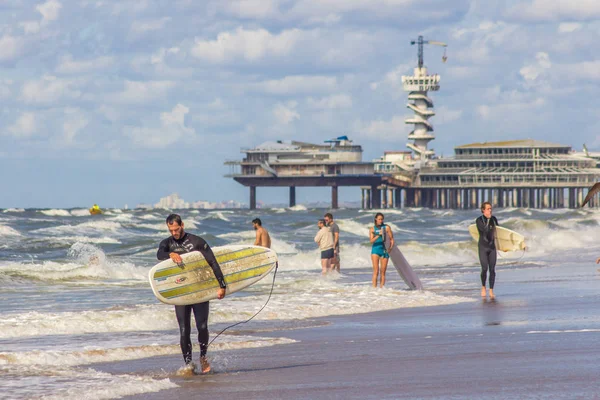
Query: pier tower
point(417, 86)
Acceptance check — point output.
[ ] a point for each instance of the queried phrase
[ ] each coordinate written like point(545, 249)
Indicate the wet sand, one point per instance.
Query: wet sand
point(540, 339)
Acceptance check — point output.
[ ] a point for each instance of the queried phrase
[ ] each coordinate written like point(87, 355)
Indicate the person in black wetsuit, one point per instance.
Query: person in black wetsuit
point(486, 225)
point(181, 242)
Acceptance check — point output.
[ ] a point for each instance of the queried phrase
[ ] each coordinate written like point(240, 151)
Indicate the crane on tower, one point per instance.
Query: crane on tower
point(420, 42)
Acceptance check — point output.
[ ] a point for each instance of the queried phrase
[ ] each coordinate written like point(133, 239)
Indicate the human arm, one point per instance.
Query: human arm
point(336, 240)
point(164, 252)
point(318, 236)
point(257, 241)
point(598, 260)
point(389, 232)
point(372, 236)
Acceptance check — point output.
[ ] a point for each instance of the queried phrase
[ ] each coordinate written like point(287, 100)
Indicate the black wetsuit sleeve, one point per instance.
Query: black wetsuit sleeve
point(201, 245)
point(163, 250)
point(495, 221)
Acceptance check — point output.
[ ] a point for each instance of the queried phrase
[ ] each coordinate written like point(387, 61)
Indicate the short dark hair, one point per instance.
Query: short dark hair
point(328, 215)
point(322, 221)
point(485, 203)
point(172, 218)
point(257, 221)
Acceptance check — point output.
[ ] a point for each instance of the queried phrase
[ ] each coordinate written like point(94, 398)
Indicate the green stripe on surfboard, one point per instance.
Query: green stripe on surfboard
point(212, 283)
point(221, 259)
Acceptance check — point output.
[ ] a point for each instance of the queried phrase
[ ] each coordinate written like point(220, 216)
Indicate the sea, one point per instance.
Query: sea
point(74, 289)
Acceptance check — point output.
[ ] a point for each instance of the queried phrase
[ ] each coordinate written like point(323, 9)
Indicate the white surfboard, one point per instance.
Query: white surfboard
point(506, 240)
point(194, 281)
point(403, 267)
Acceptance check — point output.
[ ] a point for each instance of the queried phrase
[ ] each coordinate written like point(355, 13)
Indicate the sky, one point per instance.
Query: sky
point(125, 102)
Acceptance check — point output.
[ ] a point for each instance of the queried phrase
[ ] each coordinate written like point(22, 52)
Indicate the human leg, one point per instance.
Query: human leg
point(183, 314)
point(484, 261)
point(201, 316)
point(384, 264)
point(375, 262)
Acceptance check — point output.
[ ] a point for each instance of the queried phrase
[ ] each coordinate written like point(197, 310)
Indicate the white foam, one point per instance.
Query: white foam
point(56, 213)
point(565, 331)
point(98, 354)
point(8, 231)
point(298, 207)
point(14, 210)
point(66, 383)
point(80, 212)
point(90, 227)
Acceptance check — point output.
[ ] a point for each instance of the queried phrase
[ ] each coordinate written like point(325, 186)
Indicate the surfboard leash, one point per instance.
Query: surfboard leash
point(250, 319)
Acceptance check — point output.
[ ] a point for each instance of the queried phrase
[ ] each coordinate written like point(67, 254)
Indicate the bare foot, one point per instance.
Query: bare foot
point(204, 365)
point(492, 294)
point(483, 294)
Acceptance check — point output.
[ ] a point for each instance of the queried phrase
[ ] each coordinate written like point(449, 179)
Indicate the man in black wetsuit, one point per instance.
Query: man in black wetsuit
point(179, 243)
point(486, 225)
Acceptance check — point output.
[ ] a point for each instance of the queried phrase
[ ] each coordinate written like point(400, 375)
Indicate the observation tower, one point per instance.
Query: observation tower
point(417, 86)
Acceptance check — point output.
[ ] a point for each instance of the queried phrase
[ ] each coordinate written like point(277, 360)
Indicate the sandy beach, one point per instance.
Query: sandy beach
point(538, 340)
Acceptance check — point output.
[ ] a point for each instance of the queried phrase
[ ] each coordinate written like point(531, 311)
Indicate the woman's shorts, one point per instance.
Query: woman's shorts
point(325, 254)
point(380, 251)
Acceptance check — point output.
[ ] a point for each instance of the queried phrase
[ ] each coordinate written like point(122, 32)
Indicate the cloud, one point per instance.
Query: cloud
point(390, 130)
point(74, 122)
point(286, 113)
point(50, 10)
point(251, 9)
point(25, 125)
point(556, 10)
point(533, 71)
point(143, 92)
point(249, 45)
point(142, 27)
point(297, 84)
point(48, 89)
point(335, 101)
point(69, 66)
point(11, 48)
point(569, 27)
point(171, 131)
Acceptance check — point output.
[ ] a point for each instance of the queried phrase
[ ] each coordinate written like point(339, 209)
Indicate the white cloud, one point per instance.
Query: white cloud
point(11, 48)
point(30, 26)
point(48, 89)
point(447, 115)
point(298, 84)
point(383, 130)
point(335, 101)
point(533, 71)
point(249, 45)
point(142, 92)
point(256, 9)
point(69, 66)
point(141, 27)
point(172, 129)
point(75, 121)
point(159, 56)
point(286, 113)
point(50, 10)
point(25, 125)
point(556, 10)
point(569, 27)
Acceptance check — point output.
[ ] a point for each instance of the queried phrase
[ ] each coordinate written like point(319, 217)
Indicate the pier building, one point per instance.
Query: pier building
point(294, 164)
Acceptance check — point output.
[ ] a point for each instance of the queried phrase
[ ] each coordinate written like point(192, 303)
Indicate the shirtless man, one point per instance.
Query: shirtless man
point(262, 236)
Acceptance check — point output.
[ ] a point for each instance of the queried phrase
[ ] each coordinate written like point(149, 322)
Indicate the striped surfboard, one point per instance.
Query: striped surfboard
point(194, 281)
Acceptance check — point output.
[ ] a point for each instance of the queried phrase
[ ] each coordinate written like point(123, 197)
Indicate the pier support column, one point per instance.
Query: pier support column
point(292, 196)
point(368, 199)
point(398, 198)
point(375, 197)
point(473, 198)
point(253, 197)
point(546, 198)
point(334, 197)
point(409, 197)
point(384, 203)
point(579, 197)
point(362, 198)
point(443, 198)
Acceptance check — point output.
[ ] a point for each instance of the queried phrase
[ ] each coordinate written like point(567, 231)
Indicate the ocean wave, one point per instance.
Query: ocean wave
point(56, 213)
point(14, 210)
point(66, 383)
point(8, 231)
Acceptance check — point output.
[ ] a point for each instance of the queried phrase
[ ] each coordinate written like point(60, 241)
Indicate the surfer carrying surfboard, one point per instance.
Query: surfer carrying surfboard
point(181, 242)
point(486, 226)
point(379, 253)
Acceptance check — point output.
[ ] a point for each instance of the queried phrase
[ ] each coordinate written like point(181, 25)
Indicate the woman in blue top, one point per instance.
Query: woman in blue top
point(379, 253)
